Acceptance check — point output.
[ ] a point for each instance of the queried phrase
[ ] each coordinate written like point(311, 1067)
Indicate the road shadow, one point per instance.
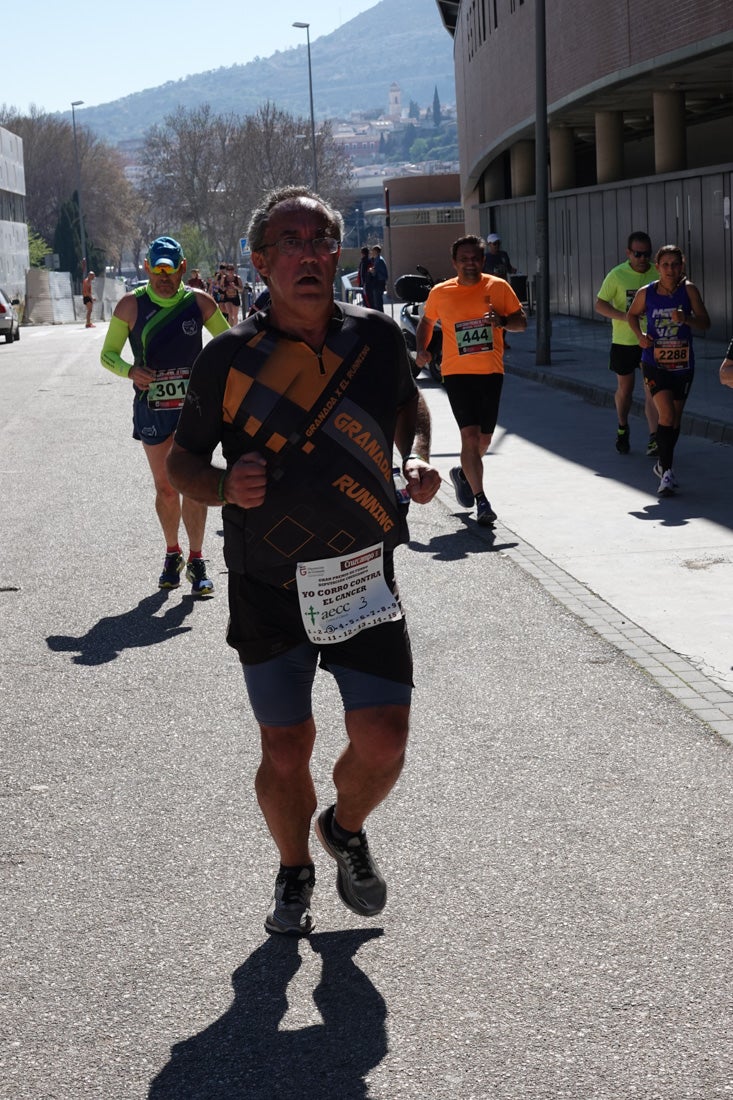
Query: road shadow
point(133, 629)
point(243, 1054)
point(572, 428)
point(459, 545)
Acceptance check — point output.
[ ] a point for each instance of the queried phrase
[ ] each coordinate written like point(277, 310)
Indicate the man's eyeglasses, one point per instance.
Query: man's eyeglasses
point(640, 255)
point(163, 270)
point(294, 246)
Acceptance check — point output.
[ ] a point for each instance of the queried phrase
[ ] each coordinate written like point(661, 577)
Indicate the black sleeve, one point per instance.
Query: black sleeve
point(200, 424)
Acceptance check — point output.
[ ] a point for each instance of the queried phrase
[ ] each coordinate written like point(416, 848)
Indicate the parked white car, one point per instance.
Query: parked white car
point(9, 323)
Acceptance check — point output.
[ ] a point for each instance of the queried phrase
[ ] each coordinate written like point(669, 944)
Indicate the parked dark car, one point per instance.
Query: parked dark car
point(9, 323)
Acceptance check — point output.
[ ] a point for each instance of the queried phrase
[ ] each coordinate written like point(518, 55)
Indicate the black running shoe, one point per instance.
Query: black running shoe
point(359, 882)
point(289, 913)
point(201, 585)
point(464, 492)
point(172, 566)
point(485, 514)
point(623, 437)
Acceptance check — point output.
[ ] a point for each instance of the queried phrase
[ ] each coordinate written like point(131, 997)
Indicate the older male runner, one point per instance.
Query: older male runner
point(307, 399)
point(163, 322)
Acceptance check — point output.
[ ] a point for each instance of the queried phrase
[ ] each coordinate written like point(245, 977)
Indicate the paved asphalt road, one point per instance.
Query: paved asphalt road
point(558, 848)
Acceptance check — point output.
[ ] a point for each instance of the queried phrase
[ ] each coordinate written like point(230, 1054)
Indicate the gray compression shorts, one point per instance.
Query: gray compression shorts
point(280, 689)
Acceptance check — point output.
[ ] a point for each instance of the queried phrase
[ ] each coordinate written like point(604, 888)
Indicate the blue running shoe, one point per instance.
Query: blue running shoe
point(464, 492)
point(201, 585)
point(172, 566)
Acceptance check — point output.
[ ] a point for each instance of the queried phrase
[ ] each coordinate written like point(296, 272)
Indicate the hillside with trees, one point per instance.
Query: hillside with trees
point(402, 41)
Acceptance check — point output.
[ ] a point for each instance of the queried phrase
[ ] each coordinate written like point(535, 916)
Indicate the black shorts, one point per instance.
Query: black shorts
point(625, 358)
point(86, 300)
point(474, 399)
point(265, 622)
point(677, 382)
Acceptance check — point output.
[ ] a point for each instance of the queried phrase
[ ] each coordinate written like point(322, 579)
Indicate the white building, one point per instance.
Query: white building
point(14, 259)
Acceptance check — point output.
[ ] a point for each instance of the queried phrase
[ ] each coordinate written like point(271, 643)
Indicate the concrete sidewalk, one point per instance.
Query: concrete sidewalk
point(579, 351)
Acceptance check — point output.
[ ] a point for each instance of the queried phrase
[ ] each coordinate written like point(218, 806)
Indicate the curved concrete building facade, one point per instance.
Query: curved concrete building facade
point(639, 134)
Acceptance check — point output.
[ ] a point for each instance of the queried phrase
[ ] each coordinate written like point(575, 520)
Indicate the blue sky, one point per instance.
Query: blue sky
point(97, 52)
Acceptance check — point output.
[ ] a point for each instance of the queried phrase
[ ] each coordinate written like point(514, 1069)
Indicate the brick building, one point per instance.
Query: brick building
point(640, 134)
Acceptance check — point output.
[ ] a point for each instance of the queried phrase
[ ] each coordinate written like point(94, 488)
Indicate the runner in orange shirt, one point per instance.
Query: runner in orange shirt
point(473, 309)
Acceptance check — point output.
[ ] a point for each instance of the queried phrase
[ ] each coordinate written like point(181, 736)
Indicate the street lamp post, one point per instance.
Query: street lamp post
point(306, 28)
point(78, 103)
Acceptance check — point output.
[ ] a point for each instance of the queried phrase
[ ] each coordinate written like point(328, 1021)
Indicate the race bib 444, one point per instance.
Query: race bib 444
point(474, 336)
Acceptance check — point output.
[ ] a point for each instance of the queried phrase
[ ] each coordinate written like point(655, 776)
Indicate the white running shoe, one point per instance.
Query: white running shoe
point(657, 469)
point(667, 485)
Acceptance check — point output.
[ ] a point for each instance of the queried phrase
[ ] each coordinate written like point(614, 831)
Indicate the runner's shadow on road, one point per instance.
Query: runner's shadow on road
point(463, 544)
point(244, 1054)
point(133, 629)
point(663, 512)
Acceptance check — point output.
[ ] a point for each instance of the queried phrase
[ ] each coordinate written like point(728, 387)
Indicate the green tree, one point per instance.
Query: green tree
point(197, 249)
point(208, 171)
point(414, 111)
point(37, 248)
point(419, 150)
point(437, 117)
point(66, 239)
point(51, 179)
point(408, 137)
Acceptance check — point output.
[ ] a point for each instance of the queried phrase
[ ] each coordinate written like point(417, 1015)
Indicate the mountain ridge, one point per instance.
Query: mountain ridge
point(402, 41)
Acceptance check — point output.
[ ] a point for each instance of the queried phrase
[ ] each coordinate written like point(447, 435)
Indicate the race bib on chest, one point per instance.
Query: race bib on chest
point(672, 354)
point(474, 336)
point(168, 391)
point(340, 596)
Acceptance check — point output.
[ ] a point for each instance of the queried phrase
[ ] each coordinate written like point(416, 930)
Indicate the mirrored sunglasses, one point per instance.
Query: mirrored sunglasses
point(163, 269)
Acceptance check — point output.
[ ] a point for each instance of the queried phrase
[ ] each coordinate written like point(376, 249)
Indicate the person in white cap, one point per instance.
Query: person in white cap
point(496, 261)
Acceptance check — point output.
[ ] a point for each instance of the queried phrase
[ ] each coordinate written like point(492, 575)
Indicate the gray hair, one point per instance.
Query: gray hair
point(257, 230)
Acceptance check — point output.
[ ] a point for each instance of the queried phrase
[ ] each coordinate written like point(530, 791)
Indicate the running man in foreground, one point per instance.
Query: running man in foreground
point(307, 399)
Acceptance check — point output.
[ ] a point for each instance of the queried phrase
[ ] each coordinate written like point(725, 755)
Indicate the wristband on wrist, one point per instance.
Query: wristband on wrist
point(220, 487)
point(413, 454)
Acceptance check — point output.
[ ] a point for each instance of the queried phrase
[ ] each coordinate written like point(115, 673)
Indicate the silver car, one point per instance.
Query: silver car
point(9, 323)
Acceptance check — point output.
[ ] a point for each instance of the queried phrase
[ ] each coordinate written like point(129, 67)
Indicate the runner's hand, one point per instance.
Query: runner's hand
point(246, 482)
point(423, 480)
point(142, 377)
